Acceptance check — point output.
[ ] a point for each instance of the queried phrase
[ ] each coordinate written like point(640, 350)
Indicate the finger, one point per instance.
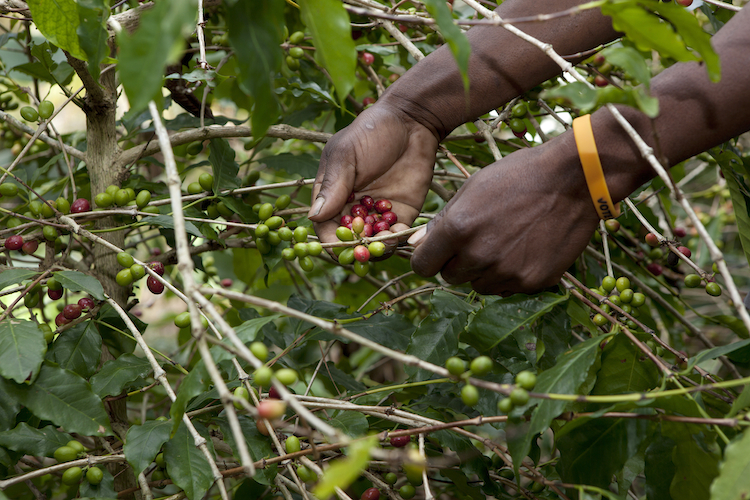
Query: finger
point(434, 249)
point(334, 182)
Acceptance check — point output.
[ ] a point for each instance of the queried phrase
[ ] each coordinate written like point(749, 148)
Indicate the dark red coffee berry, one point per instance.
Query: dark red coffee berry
point(359, 211)
point(519, 134)
point(390, 217)
point(346, 220)
point(600, 81)
point(157, 267)
point(72, 311)
point(154, 285)
point(370, 219)
point(371, 494)
point(30, 247)
point(61, 320)
point(368, 202)
point(351, 197)
point(273, 393)
point(156, 251)
point(227, 282)
point(367, 58)
point(368, 230)
point(685, 251)
point(381, 226)
point(383, 206)
point(80, 205)
point(655, 269)
point(86, 303)
point(54, 294)
point(400, 441)
point(14, 242)
point(367, 101)
point(680, 232)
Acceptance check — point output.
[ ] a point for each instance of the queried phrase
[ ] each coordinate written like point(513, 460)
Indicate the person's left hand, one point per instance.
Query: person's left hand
point(515, 226)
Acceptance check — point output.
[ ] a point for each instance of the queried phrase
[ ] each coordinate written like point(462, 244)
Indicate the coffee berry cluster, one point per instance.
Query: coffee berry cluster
point(366, 219)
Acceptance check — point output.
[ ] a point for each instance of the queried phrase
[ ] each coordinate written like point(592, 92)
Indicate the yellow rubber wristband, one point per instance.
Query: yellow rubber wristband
point(592, 168)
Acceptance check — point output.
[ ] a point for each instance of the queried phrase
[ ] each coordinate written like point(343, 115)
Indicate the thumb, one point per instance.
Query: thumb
point(333, 184)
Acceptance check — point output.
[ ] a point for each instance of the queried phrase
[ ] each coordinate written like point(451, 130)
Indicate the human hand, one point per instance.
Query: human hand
point(383, 154)
point(515, 226)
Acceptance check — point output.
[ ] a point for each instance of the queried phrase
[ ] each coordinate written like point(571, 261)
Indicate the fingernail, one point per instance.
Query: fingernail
point(416, 237)
point(317, 206)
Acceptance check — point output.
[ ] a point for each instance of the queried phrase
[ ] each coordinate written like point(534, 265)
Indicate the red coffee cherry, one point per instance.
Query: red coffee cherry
point(54, 294)
point(381, 226)
point(655, 269)
point(361, 253)
point(367, 58)
point(368, 202)
point(390, 217)
point(227, 282)
point(371, 494)
point(351, 197)
point(652, 240)
point(80, 205)
point(157, 267)
point(685, 251)
point(370, 219)
point(359, 211)
point(156, 251)
point(30, 247)
point(72, 311)
point(368, 231)
point(680, 232)
point(346, 220)
point(86, 303)
point(273, 393)
point(367, 101)
point(61, 320)
point(400, 441)
point(154, 285)
point(14, 242)
point(383, 206)
point(600, 81)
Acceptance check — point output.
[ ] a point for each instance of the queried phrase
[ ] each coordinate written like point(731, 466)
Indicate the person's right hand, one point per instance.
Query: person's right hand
point(383, 154)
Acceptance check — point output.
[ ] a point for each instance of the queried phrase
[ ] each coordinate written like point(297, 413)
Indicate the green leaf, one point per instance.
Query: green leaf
point(92, 32)
point(736, 176)
point(659, 469)
point(392, 330)
point(696, 459)
point(8, 409)
point(247, 332)
point(691, 30)
point(225, 168)
point(500, 318)
point(577, 94)
point(647, 30)
point(103, 490)
point(595, 449)
point(566, 377)
point(186, 464)
point(111, 327)
point(351, 422)
point(328, 22)
point(58, 21)
point(167, 221)
point(456, 39)
point(436, 337)
point(78, 349)
point(632, 61)
point(15, 276)
point(30, 441)
point(258, 445)
point(256, 31)
point(733, 481)
point(141, 66)
point(64, 398)
point(715, 352)
point(116, 374)
point(733, 323)
point(22, 349)
point(143, 442)
point(303, 164)
point(625, 369)
point(196, 382)
point(75, 281)
point(553, 332)
point(742, 402)
point(343, 472)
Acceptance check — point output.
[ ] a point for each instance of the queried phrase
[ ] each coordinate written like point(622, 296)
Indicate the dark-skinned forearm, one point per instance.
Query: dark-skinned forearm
point(694, 113)
point(501, 67)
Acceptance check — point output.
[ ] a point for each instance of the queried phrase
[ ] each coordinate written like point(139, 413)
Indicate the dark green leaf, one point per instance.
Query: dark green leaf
point(303, 164)
point(696, 459)
point(256, 30)
point(734, 480)
point(632, 61)
point(74, 281)
point(733, 323)
point(141, 67)
point(659, 469)
point(78, 349)
point(186, 464)
point(352, 423)
point(577, 94)
point(111, 327)
point(30, 441)
point(247, 332)
point(625, 369)
point(500, 318)
point(167, 221)
point(341, 381)
point(15, 276)
point(64, 398)
point(225, 168)
point(593, 450)
point(566, 377)
point(22, 349)
point(196, 382)
point(715, 352)
point(8, 409)
point(58, 21)
point(143, 443)
point(456, 39)
point(258, 445)
point(116, 374)
point(328, 22)
point(742, 402)
point(392, 330)
point(92, 32)
point(101, 491)
point(553, 332)
point(736, 176)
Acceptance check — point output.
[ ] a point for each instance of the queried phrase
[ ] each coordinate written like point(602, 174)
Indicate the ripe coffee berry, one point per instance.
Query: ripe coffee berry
point(271, 408)
point(86, 303)
point(61, 320)
point(367, 101)
point(54, 294)
point(155, 286)
point(371, 494)
point(612, 225)
point(655, 269)
point(652, 240)
point(14, 242)
point(72, 311)
point(157, 267)
point(400, 441)
point(680, 232)
point(685, 251)
point(381, 225)
point(390, 217)
point(359, 211)
point(346, 220)
point(361, 253)
point(368, 230)
point(227, 282)
point(30, 247)
point(80, 205)
point(368, 202)
point(273, 393)
point(383, 206)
